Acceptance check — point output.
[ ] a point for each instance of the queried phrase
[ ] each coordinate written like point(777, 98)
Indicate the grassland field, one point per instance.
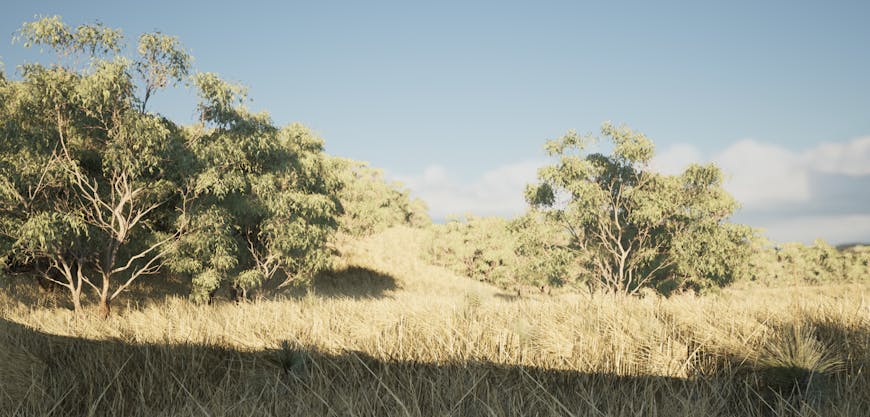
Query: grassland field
point(387, 334)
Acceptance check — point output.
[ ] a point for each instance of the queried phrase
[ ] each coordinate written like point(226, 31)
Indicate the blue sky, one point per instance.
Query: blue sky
point(457, 98)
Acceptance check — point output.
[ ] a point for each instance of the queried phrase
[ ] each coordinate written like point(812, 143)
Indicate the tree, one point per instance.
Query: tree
point(632, 227)
point(266, 203)
point(96, 198)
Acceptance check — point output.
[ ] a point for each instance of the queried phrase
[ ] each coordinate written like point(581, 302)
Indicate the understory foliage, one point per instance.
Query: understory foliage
point(528, 250)
point(370, 203)
point(796, 263)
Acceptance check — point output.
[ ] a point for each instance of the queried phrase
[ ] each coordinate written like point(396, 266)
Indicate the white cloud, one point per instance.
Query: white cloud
point(497, 192)
point(675, 159)
point(851, 158)
point(762, 175)
point(836, 229)
point(767, 178)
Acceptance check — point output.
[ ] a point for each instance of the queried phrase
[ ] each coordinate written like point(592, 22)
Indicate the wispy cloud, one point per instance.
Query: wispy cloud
point(799, 195)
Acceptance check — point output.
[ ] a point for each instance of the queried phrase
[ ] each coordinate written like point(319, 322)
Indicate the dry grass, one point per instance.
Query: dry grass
point(434, 344)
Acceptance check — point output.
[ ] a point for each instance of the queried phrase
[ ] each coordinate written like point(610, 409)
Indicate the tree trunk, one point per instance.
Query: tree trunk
point(104, 306)
point(105, 297)
point(77, 301)
point(238, 293)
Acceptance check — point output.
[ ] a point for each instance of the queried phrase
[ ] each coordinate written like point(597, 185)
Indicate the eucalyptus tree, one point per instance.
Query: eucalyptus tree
point(90, 180)
point(266, 203)
point(631, 227)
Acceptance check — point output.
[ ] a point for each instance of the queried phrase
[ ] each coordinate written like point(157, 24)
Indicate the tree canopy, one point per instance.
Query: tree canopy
point(97, 190)
point(632, 227)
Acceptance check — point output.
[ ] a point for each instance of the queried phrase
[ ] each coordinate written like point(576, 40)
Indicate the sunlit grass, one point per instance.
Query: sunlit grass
point(436, 344)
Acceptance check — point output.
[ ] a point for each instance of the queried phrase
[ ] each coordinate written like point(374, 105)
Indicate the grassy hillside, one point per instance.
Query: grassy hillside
point(387, 334)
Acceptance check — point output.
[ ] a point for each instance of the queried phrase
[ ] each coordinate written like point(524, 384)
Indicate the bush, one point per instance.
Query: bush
point(506, 253)
point(371, 203)
point(796, 263)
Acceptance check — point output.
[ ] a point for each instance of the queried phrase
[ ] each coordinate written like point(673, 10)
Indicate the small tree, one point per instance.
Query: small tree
point(633, 227)
point(543, 254)
point(480, 248)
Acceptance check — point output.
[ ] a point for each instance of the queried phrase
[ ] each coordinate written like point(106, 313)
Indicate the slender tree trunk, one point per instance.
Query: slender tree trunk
point(74, 286)
point(211, 295)
point(105, 300)
point(77, 301)
point(105, 309)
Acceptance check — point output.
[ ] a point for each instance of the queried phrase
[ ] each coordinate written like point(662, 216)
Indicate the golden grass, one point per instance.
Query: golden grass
point(434, 344)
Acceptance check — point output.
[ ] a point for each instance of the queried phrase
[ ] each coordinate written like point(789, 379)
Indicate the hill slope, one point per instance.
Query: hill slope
point(396, 253)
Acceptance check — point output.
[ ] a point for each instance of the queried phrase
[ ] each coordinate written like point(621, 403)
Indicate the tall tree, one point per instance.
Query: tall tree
point(100, 206)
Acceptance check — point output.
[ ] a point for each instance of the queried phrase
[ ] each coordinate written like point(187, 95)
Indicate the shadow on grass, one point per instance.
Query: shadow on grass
point(46, 374)
point(153, 290)
point(352, 282)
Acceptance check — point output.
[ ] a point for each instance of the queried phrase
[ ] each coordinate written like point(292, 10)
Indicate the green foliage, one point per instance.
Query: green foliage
point(529, 250)
point(542, 249)
point(631, 227)
point(162, 62)
point(481, 248)
point(104, 192)
point(266, 198)
point(51, 32)
point(795, 263)
point(49, 233)
point(371, 204)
